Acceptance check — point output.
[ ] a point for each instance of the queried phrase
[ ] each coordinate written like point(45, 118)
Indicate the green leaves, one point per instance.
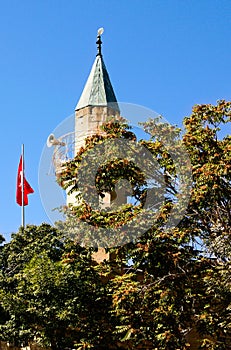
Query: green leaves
point(158, 287)
point(50, 291)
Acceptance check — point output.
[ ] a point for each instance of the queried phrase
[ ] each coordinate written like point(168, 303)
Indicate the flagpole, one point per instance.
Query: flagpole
point(22, 184)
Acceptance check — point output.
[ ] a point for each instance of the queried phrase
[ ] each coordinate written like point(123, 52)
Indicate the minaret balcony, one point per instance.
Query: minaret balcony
point(63, 151)
point(66, 147)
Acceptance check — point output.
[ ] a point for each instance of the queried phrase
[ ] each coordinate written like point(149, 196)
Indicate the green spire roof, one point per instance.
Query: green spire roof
point(98, 90)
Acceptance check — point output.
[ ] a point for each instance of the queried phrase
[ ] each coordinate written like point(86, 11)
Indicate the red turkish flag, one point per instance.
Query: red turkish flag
point(27, 188)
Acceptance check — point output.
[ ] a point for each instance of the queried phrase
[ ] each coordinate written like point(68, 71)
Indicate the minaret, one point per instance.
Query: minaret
point(97, 102)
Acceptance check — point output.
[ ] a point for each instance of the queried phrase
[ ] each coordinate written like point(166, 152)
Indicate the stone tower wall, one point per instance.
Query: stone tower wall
point(88, 121)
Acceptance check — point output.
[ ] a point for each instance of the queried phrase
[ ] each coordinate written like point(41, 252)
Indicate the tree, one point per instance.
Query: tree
point(2, 239)
point(210, 157)
point(14, 256)
point(165, 281)
point(174, 269)
point(210, 209)
point(50, 291)
point(2, 314)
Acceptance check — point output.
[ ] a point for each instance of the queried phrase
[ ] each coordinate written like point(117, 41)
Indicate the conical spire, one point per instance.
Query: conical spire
point(98, 90)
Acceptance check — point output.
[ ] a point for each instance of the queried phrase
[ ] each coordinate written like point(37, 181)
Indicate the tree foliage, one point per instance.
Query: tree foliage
point(160, 285)
point(49, 291)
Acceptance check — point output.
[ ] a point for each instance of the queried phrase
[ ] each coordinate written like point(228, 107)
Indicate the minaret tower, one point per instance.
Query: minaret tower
point(96, 105)
point(97, 102)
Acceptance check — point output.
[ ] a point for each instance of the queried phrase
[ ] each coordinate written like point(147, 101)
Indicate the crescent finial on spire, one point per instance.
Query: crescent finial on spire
point(99, 42)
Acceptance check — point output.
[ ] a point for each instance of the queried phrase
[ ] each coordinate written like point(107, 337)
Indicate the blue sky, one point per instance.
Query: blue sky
point(166, 55)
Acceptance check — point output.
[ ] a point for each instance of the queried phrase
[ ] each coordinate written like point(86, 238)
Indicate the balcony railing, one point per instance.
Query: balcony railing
point(67, 147)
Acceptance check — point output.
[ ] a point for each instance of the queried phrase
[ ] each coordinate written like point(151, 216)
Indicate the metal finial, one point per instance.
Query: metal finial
point(99, 42)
